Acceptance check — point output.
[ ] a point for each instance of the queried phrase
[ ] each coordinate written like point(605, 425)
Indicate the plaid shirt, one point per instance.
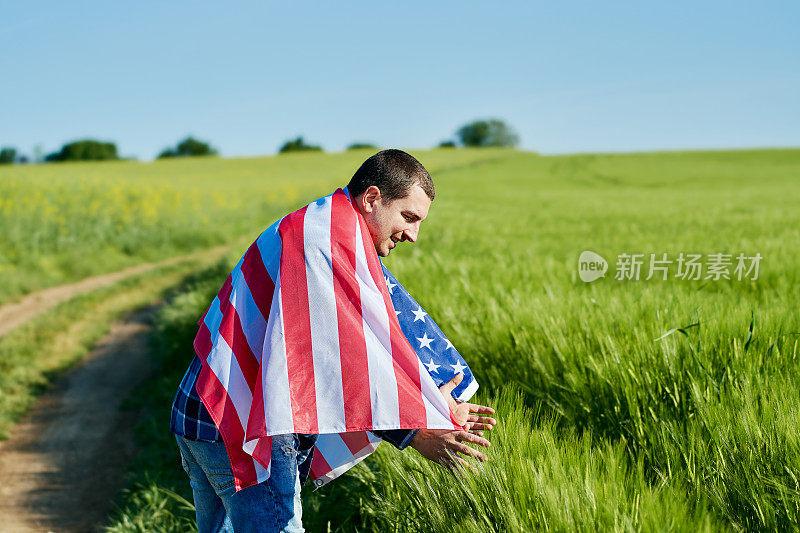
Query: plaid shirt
point(190, 418)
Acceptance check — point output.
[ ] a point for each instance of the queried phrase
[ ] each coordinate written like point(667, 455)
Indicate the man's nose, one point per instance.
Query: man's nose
point(411, 233)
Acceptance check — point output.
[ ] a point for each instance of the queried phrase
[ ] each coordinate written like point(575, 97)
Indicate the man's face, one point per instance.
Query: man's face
point(394, 221)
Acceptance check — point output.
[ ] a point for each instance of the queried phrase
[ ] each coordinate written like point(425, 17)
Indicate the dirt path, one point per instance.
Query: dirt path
point(65, 461)
point(32, 305)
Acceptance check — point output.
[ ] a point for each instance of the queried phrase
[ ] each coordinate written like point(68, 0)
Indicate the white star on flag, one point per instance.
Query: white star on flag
point(432, 367)
point(397, 313)
point(425, 342)
point(442, 359)
point(458, 367)
point(390, 285)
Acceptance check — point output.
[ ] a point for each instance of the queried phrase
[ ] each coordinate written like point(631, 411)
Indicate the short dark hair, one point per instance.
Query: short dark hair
point(393, 172)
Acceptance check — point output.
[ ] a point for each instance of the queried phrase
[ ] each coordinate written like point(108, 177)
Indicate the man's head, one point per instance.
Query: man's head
point(393, 191)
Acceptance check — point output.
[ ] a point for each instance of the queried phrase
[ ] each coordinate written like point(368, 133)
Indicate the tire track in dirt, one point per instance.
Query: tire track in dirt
point(65, 461)
point(15, 314)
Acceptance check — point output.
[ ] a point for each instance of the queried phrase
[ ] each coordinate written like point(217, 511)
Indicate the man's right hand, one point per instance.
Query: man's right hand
point(443, 446)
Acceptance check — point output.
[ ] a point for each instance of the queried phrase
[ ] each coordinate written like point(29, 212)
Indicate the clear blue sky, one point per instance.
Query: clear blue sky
point(568, 76)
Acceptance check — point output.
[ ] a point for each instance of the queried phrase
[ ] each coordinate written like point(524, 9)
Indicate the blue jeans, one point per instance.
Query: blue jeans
point(273, 505)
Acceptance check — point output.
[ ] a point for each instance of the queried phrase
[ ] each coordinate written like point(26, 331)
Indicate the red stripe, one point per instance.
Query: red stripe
point(248, 362)
point(258, 280)
point(225, 292)
point(216, 399)
point(297, 324)
point(202, 342)
point(263, 451)
point(223, 295)
point(406, 362)
point(355, 440)
point(223, 411)
point(352, 346)
point(319, 466)
point(256, 424)
point(202, 318)
point(230, 328)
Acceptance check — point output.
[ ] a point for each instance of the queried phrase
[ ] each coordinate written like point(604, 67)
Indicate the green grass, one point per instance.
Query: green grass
point(540, 476)
point(33, 354)
point(613, 429)
point(157, 487)
point(64, 222)
point(700, 411)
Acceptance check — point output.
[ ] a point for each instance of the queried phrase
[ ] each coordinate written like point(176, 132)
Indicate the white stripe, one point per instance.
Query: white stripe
point(436, 409)
point(322, 314)
point(262, 474)
point(253, 323)
point(382, 381)
point(469, 392)
point(269, 244)
point(213, 318)
point(275, 373)
point(225, 366)
point(334, 450)
point(343, 462)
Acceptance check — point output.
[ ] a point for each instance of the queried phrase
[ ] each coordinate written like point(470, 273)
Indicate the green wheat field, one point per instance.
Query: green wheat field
point(623, 405)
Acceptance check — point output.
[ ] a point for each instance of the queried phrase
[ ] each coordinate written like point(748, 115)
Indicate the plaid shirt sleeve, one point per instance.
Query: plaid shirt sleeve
point(399, 438)
point(190, 418)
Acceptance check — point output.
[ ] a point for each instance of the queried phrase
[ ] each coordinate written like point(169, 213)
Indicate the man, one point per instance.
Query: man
point(319, 277)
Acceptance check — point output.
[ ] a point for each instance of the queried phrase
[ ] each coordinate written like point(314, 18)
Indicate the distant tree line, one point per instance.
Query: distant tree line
point(362, 146)
point(8, 155)
point(484, 133)
point(189, 147)
point(479, 133)
point(85, 150)
point(298, 145)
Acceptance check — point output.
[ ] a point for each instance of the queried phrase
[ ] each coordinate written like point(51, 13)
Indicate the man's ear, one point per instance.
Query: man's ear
point(370, 196)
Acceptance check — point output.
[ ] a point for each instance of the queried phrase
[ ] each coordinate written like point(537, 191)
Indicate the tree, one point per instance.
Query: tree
point(491, 132)
point(8, 155)
point(447, 144)
point(361, 146)
point(85, 150)
point(298, 145)
point(188, 147)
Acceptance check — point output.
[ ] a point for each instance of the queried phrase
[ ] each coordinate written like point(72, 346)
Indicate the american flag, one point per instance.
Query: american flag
point(437, 353)
point(304, 337)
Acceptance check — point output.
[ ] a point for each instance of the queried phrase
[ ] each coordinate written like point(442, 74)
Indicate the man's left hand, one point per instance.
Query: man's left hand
point(468, 415)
